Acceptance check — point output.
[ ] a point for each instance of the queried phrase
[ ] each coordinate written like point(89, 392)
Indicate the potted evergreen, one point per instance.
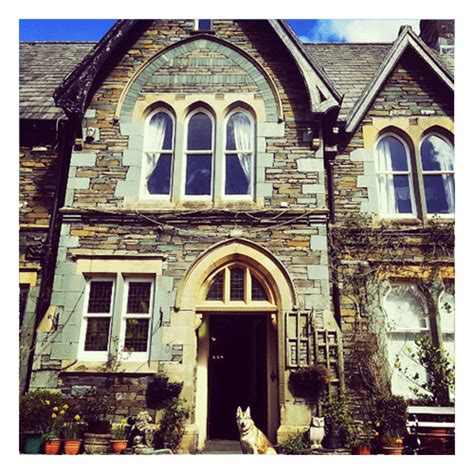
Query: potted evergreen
point(390, 421)
point(337, 423)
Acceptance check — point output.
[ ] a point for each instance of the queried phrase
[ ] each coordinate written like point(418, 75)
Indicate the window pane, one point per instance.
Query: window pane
point(198, 175)
point(136, 335)
point(236, 284)
point(405, 308)
point(436, 154)
point(391, 155)
point(239, 132)
point(100, 297)
point(401, 187)
point(215, 292)
point(139, 297)
point(204, 24)
point(446, 311)
point(439, 191)
point(258, 291)
point(159, 134)
point(97, 335)
point(238, 174)
point(200, 132)
point(160, 180)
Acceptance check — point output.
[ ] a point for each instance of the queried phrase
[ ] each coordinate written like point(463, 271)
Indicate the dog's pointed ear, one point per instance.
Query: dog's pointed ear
point(239, 411)
point(247, 412)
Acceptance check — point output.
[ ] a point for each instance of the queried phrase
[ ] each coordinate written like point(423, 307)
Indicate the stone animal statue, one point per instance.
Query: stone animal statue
point(252, 440)
point(144, 430)
point(316, 431)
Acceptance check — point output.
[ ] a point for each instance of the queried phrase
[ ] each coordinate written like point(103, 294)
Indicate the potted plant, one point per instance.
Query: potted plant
point(119, 436)
point(337, 423)
point(362, 440)
point(309, 381)
point(35, 418)
point(72, 434)
point(93, 406)
point(391, 418)
point(52, 437)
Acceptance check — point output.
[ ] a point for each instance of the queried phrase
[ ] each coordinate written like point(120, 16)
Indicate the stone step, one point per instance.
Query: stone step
point(222, 446)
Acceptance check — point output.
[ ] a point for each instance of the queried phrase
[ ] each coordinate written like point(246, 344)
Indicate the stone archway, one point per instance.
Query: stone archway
point(191, 301)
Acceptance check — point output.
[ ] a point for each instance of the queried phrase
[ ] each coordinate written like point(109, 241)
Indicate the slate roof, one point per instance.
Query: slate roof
point(43, 66)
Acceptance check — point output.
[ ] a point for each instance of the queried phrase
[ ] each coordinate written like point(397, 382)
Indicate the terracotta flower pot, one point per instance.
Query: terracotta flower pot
point(118, 445)
point(398, 450)
point(52, 446)
point(72, 446)
point(361, 450)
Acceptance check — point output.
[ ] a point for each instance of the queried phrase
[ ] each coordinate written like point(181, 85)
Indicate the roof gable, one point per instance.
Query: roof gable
point(406, 39)
point(73, 94)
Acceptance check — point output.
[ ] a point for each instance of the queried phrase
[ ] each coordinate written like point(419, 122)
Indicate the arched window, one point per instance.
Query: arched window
point(239, 154)
point(437, 159)
point(395, 181)
point(158, 148)
point(199, 154)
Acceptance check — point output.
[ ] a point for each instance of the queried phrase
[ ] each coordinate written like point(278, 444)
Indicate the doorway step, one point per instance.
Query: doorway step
point(222, 446)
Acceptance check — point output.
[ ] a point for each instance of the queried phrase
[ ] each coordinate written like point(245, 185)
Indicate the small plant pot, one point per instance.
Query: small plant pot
point(393, 450)
point(32, 442)
point(361, 450)
point(72, 446)
point(95, 443)
point(332, 442)
point(52, 446)
point(118, 445)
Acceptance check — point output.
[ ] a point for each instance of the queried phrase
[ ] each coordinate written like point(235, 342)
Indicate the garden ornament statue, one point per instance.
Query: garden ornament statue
point(316, 431)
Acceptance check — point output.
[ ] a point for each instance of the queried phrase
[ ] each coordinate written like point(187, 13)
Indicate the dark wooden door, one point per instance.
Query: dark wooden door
point(237, 372)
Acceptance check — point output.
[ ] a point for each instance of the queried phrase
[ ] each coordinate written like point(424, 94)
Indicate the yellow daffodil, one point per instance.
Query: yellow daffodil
point(65, 406)
point(62, 412)
point(55, 409)
point(123, 421)
point(54, 415)
point(47, 402)
point(77, 417)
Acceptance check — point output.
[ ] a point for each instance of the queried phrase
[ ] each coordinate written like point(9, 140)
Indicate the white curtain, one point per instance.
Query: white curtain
point(155, 136)
point(388, 203)
point(243, 143)
point(443, 154)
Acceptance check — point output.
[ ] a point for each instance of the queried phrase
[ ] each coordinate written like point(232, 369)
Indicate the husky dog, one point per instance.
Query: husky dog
point(252, 440)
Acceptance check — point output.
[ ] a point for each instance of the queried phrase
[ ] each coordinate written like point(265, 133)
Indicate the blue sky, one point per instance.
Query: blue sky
point(308, 30)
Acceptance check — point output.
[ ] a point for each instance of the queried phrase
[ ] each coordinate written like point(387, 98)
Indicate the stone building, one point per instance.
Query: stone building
point(218, 201)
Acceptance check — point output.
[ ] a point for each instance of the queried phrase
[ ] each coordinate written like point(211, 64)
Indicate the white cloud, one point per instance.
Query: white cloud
point(361, 31)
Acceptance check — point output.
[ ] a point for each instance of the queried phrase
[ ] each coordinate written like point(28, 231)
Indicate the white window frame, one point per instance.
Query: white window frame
point(96, 355)
point(144, 194)
point(409, 173)
point(238, 197)
point(197, 28)
point(443, 215)
point(135, 356)
point(186, 152)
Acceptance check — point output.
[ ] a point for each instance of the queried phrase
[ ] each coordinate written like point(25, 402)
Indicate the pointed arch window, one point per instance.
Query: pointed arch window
point(158, 151)
point(199, 154)
point(237, 284)
point(239, 154)
point(394, 177)
point(437, 159)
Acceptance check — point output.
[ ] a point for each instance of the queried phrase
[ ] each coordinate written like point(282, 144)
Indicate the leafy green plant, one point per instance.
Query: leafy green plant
point(36, 408)
point(171, 430)
point(120, 430)
point(73, 429)
point(439, 369)
point(299, 443)
point(310, 381)
point(390, 416)
point(94, 406)
point(338, 419)
point(161, 391)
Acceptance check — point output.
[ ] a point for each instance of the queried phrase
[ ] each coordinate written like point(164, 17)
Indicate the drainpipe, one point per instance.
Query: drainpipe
point(66, 133)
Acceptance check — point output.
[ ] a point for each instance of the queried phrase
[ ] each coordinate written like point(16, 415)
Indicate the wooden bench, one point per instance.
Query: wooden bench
point(423, 423)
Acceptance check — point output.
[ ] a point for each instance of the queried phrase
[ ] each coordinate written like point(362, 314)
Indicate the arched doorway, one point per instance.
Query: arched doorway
point(238, 292)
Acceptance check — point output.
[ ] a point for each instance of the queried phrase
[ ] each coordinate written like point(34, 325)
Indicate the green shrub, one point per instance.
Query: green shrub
point(297, 444)
point(36, 408)
point(171, 430)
